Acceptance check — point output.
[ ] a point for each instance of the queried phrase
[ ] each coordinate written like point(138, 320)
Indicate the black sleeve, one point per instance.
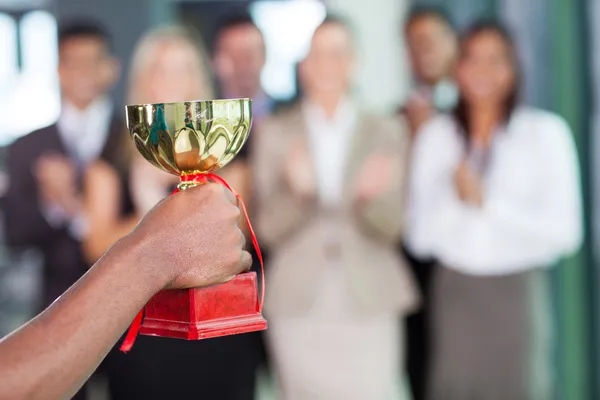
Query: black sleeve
point(25, 224)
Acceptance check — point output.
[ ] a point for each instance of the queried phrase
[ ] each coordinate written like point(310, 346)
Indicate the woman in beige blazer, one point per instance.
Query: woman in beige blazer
point(329, 184)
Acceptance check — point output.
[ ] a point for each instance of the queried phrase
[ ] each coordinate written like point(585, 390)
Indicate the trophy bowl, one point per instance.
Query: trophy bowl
point(190, 137)
point(193, 139)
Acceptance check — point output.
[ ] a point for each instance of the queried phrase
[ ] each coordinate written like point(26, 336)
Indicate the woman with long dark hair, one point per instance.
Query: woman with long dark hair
point(495, 198)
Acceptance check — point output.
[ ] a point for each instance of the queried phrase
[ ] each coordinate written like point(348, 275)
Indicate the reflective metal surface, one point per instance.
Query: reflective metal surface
point(192, 136)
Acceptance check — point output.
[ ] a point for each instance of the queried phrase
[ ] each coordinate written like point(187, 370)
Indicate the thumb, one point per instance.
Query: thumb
point(245, 262)
point(243, 266)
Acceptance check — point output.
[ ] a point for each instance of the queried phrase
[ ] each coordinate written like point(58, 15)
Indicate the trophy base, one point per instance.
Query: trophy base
point(226, 309)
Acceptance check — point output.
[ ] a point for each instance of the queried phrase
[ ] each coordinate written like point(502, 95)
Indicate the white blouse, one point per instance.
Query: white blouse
point(531, 215)
point(330, 140)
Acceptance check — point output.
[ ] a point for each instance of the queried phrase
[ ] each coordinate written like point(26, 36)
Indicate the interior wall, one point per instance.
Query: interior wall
point(383, 71)
point(125, 20)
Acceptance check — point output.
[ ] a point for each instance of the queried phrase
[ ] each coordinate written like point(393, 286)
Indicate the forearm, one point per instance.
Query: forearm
point(381, 213)
point(54, 354)
point(98, 240)
point(382, 217)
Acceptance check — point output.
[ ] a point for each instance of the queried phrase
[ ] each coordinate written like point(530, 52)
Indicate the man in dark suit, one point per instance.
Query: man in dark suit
point(433, 49)
point(239, 56)
point(43, 205)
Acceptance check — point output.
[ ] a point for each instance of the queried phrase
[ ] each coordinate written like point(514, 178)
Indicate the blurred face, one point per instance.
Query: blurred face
point(239, 60)
point(172, 74)
point(486, 72)
point(432, 47)
point(329, 67)
point(86, 70)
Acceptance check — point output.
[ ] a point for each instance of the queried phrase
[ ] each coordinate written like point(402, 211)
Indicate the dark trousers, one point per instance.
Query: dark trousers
point(260, 337)
point(418, 348)
point(162, 368)
point(81, 395)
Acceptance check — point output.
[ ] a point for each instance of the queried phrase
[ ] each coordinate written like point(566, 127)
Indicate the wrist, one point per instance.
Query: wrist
point(146, 271)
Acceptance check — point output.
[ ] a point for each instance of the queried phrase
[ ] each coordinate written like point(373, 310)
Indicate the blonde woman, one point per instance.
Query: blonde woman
point(168, 65)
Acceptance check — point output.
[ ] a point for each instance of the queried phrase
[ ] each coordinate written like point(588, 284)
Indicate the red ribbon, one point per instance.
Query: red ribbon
point(203, 178)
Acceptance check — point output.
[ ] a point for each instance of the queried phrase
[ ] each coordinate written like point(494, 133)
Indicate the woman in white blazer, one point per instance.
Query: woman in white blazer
point(495, 198)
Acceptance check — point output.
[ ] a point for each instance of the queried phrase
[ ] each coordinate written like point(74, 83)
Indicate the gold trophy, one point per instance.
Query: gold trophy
point(193, 139)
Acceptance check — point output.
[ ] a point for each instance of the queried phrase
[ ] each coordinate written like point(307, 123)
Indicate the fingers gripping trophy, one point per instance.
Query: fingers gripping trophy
point(194, 139)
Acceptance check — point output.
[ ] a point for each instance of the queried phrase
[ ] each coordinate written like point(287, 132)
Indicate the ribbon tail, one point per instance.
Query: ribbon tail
point(133, 332)
point(252, 236)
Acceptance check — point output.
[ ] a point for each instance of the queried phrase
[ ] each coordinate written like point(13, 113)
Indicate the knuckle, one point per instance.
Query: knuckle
point(229, 213)
point(215, 189)
point(233, 260)
point(242, 238)
point(235, 211)
point(200, 196)
point(236, 238)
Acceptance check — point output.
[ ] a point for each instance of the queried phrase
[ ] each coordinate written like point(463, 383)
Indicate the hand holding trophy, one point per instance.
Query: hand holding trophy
point(194, 139)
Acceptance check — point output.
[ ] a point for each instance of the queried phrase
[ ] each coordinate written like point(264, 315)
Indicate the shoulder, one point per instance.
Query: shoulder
point(438, 124)
point(281, 121)
point(538, 117)
point(440, 130)
point(32, 143)
point(389, 129)
point(36, 136)
point(544, 137)
point(279, 106)
point(542, 127)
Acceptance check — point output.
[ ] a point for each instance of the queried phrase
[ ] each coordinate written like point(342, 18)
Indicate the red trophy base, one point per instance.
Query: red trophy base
point(225, 309)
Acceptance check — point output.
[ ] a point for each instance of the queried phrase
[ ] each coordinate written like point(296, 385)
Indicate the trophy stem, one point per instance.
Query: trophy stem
point(190, 180)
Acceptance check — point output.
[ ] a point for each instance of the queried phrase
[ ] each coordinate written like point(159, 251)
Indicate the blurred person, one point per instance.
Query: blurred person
point(239, 56)
point(168, 65)
point(329, 179)
point(43, 204)
point(238, 59)
point(433, 49)
point(495, 197)
point(52, 355)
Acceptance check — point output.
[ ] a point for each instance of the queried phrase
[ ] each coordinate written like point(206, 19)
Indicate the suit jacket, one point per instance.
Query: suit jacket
point(26, 227)
point(295, 229)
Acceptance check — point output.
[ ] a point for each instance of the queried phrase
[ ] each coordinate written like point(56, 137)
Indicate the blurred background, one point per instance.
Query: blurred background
point(557, 47)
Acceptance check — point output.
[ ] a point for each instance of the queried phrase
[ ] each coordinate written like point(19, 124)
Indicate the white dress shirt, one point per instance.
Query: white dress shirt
point(531, 214)
point(84, 132)
point(329, 141)
point(443, 96)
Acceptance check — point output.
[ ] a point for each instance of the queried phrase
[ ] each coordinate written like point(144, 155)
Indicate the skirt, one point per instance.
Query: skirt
point(491, 337)
point(334, 354)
